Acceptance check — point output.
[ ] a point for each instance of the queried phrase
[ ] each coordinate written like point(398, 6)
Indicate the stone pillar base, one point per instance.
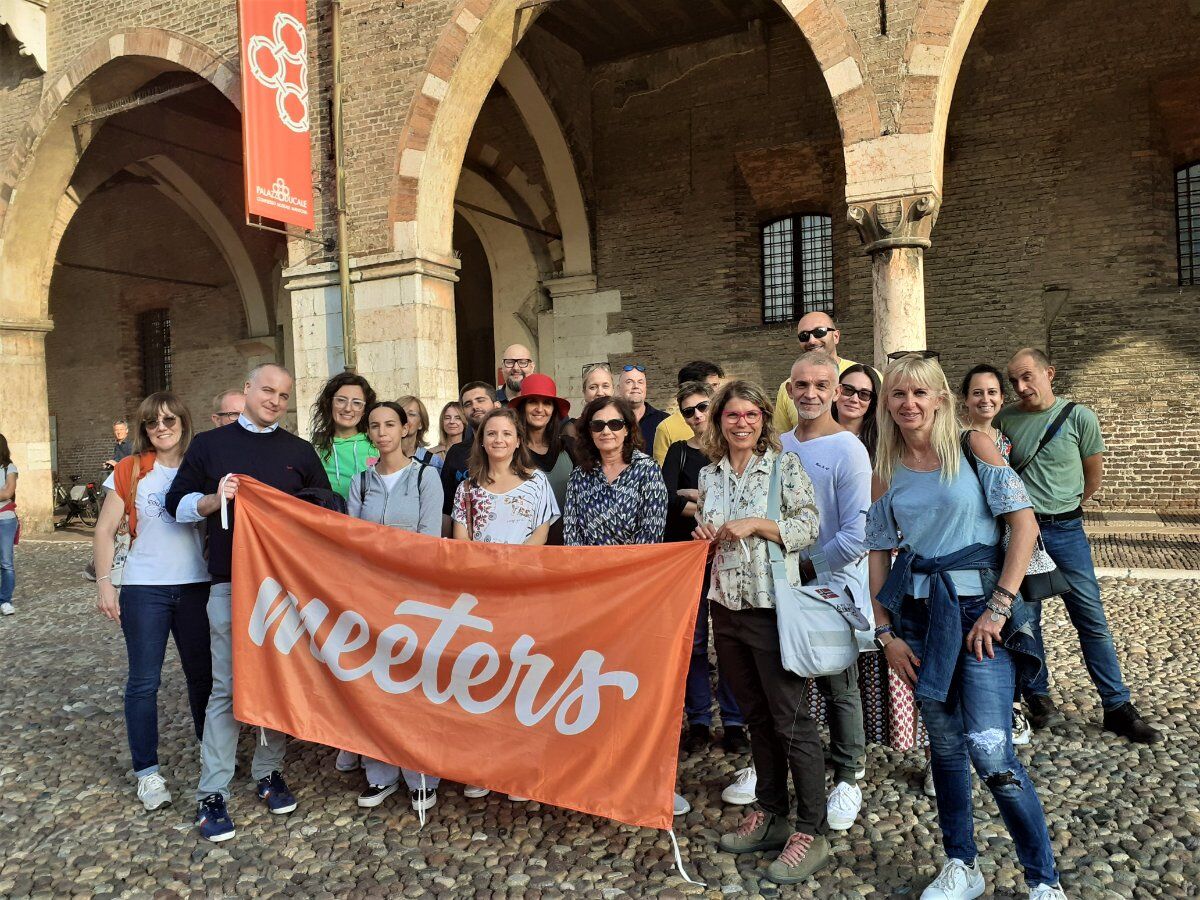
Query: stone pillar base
point(404, 328)
point(26, 420)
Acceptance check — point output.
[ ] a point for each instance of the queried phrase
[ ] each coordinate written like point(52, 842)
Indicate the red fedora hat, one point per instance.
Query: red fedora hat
point(543, 386)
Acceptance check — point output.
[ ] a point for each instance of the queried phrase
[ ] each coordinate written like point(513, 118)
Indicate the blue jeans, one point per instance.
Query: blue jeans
point(8, 573)
point(697, 698)
point(973, 727)
point(1068, 546)
point(149, 613)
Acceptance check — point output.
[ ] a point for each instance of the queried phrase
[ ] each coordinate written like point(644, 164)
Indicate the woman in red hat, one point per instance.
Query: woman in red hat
point(543, 414)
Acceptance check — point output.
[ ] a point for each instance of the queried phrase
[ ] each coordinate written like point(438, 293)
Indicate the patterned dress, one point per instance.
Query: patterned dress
point(508, 518)
point(631, 510)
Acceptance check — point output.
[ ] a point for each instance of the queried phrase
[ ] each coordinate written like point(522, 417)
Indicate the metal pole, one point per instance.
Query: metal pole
point(348, 348)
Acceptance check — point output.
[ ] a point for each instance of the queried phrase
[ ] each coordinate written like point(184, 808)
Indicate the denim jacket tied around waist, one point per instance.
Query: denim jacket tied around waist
point(944, 639)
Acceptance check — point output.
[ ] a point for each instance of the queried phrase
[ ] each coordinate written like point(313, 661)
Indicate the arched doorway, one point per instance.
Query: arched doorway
point(473, 306)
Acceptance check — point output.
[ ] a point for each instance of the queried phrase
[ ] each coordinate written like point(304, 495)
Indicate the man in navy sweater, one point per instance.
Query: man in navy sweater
point(254, 445)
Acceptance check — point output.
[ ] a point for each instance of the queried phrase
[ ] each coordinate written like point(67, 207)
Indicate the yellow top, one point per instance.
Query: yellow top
point(785, 418)
point(671, 429)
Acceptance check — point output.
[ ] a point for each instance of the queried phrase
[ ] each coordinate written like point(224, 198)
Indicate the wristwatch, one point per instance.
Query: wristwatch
point(884, 636)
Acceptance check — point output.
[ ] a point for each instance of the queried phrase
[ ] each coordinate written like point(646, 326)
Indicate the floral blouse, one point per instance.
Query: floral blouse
point(741, 571)
point(508, 518)
point(631, 510)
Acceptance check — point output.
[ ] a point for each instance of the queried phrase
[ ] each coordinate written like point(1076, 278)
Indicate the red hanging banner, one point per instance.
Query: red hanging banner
point(275, 137)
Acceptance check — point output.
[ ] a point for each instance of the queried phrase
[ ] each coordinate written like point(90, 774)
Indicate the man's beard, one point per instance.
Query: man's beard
point(513, 384)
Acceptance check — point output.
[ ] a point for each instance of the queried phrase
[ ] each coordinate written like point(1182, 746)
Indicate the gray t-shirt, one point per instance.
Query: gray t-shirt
point(5, 471)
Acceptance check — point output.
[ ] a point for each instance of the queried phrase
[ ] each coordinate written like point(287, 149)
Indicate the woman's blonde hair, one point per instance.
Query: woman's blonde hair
point(422, 425)
point(713, 441)
point(928, 374)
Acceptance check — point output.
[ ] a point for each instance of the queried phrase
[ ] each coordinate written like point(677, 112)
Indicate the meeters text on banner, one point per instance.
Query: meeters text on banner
point(276, 142)
point(555, 673)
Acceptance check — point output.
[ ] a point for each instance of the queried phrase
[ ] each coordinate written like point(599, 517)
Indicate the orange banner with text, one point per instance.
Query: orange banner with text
point(276, 143)
point(555, 673)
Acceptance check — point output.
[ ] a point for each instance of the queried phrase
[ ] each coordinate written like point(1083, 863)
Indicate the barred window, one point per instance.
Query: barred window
point(797, 261)
point(1187, 211)
point(154, 337)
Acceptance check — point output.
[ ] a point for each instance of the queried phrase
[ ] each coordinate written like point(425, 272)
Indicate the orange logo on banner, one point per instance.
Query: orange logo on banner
point(554, 673)
point(275, 136)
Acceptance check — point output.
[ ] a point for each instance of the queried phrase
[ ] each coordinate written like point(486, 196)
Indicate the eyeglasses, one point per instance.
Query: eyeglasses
point(352, 402)
point(915, 354)
point(750, 417)
point(227, 415)
point(688, 411)
point(517, 363)
point(818, 333)
point(613, 425)
point(167, 422)
point(863, 394)
point(633, 367)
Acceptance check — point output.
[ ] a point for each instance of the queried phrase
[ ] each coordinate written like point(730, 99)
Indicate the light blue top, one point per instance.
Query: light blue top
point(930, 517)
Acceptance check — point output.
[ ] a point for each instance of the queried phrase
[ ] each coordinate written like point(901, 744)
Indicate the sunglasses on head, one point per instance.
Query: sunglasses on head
point(613, 425)
point(864, 394)
point(688, 411)
point(916, 354)
point(632, 367)
point(818, 333)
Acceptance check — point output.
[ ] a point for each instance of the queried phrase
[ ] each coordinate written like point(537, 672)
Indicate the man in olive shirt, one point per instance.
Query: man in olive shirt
point(1060, 476)
point(815, 331)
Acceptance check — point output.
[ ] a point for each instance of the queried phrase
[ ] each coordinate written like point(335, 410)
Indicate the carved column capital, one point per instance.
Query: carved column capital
point(895, 221)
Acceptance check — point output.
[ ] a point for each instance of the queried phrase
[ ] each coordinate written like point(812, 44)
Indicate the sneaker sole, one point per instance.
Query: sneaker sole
point(476, 795)
point(841, 826)
point(1022, 740)
point(423, 805)
point(755, 848)
point(217, 838)
point(283, 810)
point(737, 799)
point(151, 807)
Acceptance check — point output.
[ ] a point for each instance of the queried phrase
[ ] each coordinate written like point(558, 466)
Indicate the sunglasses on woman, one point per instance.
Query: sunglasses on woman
point(863, 394)
point(688, 411)
point(167, 422)
point(613, 425)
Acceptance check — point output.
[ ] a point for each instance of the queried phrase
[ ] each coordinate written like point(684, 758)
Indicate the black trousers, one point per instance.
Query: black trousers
point(783, 736)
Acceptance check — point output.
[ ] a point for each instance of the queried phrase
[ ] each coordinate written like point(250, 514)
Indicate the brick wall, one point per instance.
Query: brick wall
point(1060, 175)
point(20, 90)
point(93, 362)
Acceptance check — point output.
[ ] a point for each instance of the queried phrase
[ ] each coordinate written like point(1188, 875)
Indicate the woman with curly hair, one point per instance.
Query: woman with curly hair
point(339, 428)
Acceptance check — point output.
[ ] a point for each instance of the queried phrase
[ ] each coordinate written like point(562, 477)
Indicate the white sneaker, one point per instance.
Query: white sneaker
point(956, 881)
point(347, 761)
point(7, 609)
point(682, 807)
point(845, 800)
point(152, 791)
point(469, 790)
point(741, 792)
point(1021, 729)
point(515, 799)
point(927, 781)
point(1047, 892)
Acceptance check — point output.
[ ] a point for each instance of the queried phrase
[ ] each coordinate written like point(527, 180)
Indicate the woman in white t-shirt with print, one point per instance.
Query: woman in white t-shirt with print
point(164, 583)
point(505, 499)
point(9, 528)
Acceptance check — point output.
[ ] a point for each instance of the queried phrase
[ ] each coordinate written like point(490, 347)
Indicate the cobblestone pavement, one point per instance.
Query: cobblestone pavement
point(1146, 550)
point(1125, 820)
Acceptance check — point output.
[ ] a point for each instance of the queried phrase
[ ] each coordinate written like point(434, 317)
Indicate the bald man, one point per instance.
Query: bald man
point(259, 448)
point(515, 364)
point(815, 331)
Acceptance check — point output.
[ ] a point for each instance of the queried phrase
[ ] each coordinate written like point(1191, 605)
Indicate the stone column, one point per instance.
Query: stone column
point(575, 331)
point(895, 232)
point(25, 420)
point(404, 327)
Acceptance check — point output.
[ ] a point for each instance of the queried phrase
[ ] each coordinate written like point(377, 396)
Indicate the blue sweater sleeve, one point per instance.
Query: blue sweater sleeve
point(191, 477)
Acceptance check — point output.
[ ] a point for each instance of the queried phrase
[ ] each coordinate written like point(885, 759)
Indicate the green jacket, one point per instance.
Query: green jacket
point(345, 459)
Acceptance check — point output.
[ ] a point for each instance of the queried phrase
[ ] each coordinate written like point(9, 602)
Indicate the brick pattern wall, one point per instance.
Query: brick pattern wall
point(93, 361)
point(20, 90)
point(1060, 175)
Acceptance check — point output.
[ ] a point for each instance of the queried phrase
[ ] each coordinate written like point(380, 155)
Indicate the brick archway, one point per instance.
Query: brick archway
point(467, 59)
point(44, 157)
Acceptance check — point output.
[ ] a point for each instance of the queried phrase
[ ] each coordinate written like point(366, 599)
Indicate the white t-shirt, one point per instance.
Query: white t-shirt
point(840, 470)
point(164, 551)
point(5, 471)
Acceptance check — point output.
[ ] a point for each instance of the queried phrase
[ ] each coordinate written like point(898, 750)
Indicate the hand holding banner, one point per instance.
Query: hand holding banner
point(550, 672)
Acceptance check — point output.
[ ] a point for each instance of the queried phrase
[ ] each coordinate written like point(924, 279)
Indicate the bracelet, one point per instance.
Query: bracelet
point(107, 578)
point(999, 608)
point(883, 629)
point(1004, 592)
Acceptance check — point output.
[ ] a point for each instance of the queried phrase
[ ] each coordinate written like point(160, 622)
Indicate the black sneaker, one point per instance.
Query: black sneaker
point(213, 820)
point(1128, 723)
point(423, 799)
point(273, 791)
point(697, 737)
point(1042, 712)
point(734, 739)
point(376, 794)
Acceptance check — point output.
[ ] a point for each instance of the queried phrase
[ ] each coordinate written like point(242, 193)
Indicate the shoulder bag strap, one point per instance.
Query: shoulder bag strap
point(130, 498)
point(1054, 428)
point(964, 440)
point(774, 507)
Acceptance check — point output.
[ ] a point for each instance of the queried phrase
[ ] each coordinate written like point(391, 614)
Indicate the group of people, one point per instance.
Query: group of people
point(920, 508)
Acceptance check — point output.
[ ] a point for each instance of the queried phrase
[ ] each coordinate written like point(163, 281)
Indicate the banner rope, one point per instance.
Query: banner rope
point(224, 502)
point(679, 861)
point(421, 807)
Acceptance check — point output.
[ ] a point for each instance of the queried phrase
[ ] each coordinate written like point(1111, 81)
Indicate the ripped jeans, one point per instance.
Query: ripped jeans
point(974, 728)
